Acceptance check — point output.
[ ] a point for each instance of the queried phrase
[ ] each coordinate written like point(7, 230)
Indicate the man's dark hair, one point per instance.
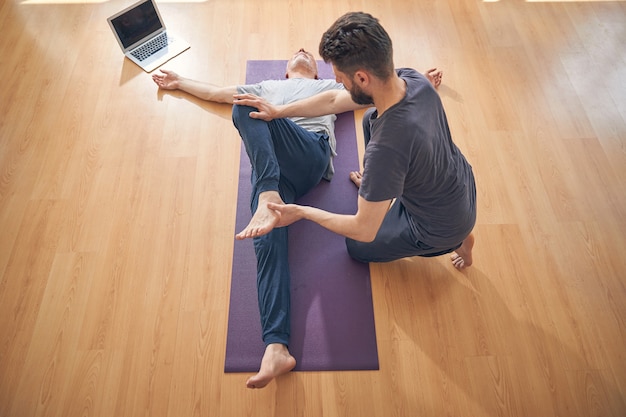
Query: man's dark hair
point(358, 41)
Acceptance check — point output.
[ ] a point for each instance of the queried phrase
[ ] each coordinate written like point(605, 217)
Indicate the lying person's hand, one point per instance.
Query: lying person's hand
point(168, 80)
point(265, 110)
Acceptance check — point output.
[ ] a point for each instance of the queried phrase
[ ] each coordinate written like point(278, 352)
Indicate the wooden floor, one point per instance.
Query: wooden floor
point(117, 208)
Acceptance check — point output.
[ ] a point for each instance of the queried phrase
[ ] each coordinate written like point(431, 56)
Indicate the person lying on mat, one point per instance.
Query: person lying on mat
point(288, 157)
point(417, 195)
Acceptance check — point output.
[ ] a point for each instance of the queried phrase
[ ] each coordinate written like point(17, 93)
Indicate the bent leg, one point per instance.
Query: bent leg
point(257, 140)
point(395, 240)
point(286, 160)
point(281, 153)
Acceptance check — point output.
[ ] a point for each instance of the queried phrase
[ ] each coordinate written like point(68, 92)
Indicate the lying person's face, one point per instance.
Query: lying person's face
point(303, 61)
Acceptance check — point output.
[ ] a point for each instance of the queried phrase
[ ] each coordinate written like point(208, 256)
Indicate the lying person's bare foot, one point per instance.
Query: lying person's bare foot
point(355, 177)
point(434, 75)
point(276, 361)
point(264, 219)
point(462, 257)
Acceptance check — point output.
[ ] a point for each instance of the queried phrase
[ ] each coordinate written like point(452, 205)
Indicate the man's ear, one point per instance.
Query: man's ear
point(361, 77)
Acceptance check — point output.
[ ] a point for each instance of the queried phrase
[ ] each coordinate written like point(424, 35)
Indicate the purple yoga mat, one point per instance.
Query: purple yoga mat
point(332, 317)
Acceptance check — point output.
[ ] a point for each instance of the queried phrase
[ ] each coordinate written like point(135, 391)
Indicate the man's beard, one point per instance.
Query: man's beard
point(359, 96)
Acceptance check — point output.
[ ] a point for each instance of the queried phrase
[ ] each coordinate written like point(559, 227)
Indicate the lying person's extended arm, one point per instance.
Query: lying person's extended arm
point(328, 102)
point(169, 80)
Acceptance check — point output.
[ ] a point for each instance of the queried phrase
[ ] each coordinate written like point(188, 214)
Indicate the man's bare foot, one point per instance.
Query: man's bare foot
point(462, 257)
point(264, 219)
point(355, 177)
point(434, 75)
point(276, 361)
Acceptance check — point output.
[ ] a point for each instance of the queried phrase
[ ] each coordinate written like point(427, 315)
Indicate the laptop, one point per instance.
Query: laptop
point(140, 31)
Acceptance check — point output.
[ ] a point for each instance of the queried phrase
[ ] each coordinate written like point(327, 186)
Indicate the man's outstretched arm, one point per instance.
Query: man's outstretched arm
point(328, 102)
point(169, 80)
point(362, 226)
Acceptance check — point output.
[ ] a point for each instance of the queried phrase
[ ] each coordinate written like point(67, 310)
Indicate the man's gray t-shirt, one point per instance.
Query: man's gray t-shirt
point(294, 89)
point(411, 156)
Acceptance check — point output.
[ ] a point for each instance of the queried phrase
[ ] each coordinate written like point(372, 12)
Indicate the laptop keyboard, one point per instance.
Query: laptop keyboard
point(149, 48)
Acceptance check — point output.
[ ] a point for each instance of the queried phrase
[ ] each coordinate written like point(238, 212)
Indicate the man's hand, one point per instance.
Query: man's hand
point(265, 110)
point(288, 213)
point(167, 81)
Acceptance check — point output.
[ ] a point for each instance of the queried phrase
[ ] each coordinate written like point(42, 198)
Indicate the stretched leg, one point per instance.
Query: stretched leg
point(276, 361)
point(287, 161)
point(273, 286)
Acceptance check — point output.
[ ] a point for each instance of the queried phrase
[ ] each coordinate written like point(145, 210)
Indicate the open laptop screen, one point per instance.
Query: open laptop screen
point(136, 23)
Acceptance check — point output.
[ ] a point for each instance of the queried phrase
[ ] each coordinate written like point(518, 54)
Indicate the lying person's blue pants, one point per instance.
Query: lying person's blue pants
point(288, 159)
